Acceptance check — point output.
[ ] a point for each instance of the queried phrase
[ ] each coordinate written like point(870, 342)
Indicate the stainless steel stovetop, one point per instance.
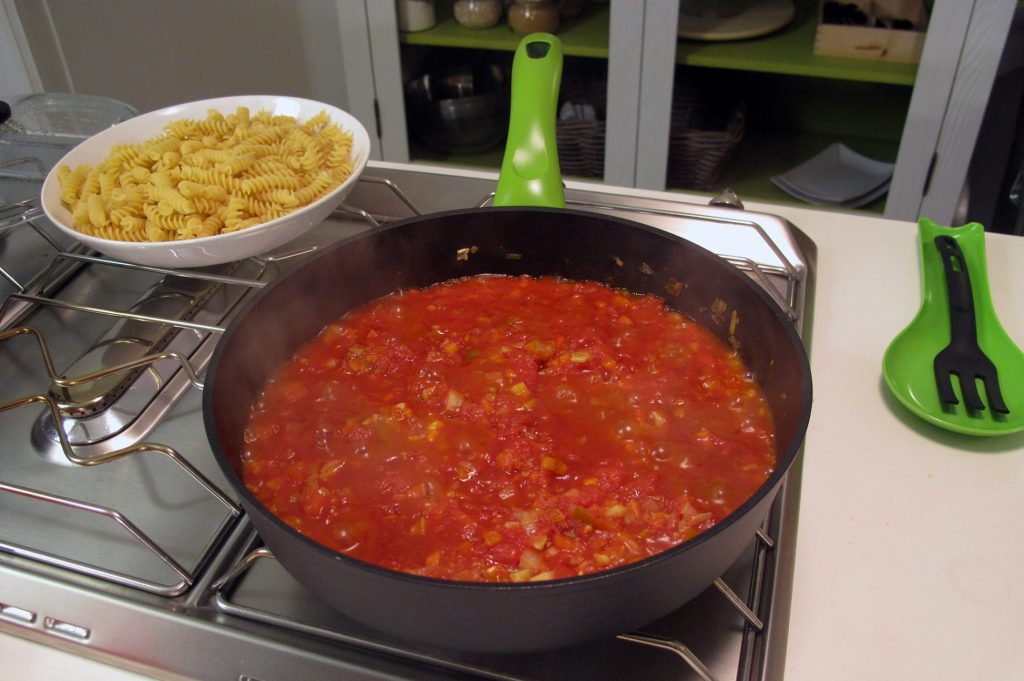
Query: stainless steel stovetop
point(120, 540)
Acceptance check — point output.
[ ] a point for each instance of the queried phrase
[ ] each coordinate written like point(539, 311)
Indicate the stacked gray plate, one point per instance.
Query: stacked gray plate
point(838, 176)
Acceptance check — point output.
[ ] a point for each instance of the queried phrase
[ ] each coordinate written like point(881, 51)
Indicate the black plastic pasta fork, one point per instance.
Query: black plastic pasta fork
point(963, 357)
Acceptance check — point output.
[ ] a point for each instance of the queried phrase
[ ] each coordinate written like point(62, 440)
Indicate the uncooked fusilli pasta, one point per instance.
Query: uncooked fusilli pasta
point(207, 177)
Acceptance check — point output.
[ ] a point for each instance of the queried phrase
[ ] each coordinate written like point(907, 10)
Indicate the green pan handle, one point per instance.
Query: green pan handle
point(530, 175)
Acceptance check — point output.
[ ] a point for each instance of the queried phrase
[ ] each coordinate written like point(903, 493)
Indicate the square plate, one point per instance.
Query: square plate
point(838, 175)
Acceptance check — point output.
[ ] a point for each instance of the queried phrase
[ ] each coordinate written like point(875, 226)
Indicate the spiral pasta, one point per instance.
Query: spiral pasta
point(207, 177)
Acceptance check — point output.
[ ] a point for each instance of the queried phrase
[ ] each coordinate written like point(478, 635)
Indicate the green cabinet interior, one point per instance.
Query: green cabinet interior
point(790, 119)
point(790, 51)
point(797, 103)
point(584, 42)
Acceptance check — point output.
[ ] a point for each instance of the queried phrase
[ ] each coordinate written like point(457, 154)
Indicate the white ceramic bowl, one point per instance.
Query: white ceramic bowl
point(221, 248)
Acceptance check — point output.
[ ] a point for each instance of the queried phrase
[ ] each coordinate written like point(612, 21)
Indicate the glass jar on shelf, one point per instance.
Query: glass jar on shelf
point(415, 15)
point(477, 13)
point(533, 16)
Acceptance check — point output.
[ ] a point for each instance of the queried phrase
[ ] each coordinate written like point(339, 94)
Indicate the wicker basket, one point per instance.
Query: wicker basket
point(581, 141)
point(581, 147)
point(704, 134)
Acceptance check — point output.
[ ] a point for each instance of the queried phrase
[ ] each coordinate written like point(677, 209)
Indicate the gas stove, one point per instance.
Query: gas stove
point(121, 541)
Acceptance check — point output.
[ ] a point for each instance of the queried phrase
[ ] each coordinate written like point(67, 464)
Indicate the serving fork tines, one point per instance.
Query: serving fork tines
point(963, 357)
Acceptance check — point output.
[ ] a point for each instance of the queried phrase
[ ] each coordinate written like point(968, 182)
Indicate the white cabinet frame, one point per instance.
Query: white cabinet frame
point(970, 87)
point(370, 58)
point(625, 107)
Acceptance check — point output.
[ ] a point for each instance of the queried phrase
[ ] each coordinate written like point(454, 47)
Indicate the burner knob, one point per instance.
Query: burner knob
point(728, 199)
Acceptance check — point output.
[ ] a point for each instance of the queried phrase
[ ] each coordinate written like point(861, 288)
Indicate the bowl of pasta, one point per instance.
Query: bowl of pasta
point(207, 182)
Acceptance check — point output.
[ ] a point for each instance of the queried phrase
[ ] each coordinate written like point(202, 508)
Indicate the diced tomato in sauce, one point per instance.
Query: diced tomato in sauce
point(509, 429)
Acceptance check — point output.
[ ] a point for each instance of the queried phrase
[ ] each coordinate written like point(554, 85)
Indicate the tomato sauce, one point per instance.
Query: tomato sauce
point(509, 429)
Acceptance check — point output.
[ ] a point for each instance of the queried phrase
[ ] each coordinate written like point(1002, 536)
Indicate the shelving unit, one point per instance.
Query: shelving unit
point(923, 117)
point(790, 51)
point(798, 103)
point(585, 36)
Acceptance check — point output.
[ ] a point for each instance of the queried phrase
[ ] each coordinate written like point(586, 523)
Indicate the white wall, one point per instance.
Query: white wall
point(154, 53)
point(16, 76)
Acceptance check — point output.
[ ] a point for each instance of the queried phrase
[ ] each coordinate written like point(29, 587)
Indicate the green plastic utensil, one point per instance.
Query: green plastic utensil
point(908, 364)
point(530, 174)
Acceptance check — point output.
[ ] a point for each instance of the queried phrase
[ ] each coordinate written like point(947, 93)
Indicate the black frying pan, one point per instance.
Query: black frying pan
point(518, 617)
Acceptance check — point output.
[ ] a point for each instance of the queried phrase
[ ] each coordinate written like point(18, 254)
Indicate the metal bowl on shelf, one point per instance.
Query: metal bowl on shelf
point(460, 109)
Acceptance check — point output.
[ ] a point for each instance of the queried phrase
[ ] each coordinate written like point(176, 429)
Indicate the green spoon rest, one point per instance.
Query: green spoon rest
point(908, 365)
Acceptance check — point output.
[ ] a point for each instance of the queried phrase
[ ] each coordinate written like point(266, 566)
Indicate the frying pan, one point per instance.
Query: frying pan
point(538, 241)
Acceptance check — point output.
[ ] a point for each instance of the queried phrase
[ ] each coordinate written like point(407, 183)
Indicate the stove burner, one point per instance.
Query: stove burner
point(124, 527)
